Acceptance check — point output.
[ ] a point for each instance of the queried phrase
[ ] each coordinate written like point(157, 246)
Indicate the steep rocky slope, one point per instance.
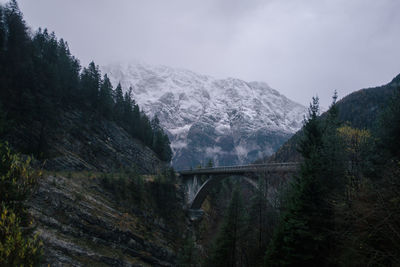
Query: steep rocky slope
point(81, 224)
point(86, 142)
point(227, 120)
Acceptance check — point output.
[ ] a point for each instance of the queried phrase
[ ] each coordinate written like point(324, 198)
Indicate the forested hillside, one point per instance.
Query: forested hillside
point(40, 81)
point(72, 153)
point(360, 109)
point(341, 209)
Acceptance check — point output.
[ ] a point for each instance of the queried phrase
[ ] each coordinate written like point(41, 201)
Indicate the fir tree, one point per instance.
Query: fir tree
point(145, 130)
point(128, 108)
point(2, 33)
point(229, 247)
point(188, 256)
point(302, 237)
point(158, 141)
point(18, 66)
point(3, 122)
point(68, 74)
point(210, 163)
point(41, 79)
point(260, 223)
point(333, 159)
point(118, 103)
point(390, 127)
point(135, 121)
point(105, 98)
point(90, 84)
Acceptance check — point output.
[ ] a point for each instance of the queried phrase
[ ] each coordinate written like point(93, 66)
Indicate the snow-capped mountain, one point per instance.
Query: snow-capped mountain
point(227, 120)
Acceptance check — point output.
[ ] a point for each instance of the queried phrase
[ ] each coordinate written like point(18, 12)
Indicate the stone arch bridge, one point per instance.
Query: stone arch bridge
point(196, 192)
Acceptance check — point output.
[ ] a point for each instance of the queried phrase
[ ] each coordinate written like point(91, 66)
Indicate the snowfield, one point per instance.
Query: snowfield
point(227, 120)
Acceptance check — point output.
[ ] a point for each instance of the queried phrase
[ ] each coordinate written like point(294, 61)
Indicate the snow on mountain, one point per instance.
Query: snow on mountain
point(227, 120)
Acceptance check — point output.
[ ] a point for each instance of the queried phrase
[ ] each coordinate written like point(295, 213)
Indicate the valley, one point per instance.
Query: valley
point(150, 165)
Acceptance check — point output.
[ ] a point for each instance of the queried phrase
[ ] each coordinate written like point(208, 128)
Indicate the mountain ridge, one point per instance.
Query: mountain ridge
point(229, 121)
point(360, 109)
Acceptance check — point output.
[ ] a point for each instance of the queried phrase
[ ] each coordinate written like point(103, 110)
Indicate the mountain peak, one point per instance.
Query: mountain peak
point(228, 120)
point(396, 80)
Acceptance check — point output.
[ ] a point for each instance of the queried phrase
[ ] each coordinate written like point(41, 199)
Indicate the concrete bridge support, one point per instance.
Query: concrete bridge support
point(196, 192)
point(192, 186)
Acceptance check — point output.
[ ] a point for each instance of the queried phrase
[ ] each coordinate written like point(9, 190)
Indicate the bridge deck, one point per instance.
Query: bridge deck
point(269, 167)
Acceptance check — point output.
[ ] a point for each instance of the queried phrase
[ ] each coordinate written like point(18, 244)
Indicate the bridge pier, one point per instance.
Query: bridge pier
point(195, 214)
point(192, 186)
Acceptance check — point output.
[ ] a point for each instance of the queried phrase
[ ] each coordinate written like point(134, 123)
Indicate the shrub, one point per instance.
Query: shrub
point(17, 181)
point(15, 249)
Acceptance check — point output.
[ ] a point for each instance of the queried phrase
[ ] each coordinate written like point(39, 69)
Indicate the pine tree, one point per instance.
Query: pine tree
point(68, 74)
point(167, 151)
point(229, 247)
point(3, 122)
point(135, 120)
point(302, 235)
point(158, 141)
point(2, 33)
point(260, 223)
point(390, 127)
point(210, 163)
point(188, 256)
point(90, 84)
point(118, 103)
point(17, 39)
point(128, 109)
point(18, 65)
point(41, 79)
point(161, 144)
point(106, 101)
point(145, 130)
point(333, 159)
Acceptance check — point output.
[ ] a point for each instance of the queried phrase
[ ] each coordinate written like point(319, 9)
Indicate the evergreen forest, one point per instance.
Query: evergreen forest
point(40, 80)
point(342, 208)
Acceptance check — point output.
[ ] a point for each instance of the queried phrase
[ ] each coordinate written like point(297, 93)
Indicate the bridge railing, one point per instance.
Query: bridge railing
point(241, 168)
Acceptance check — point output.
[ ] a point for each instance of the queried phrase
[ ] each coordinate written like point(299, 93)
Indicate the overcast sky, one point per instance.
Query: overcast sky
point(299, 47)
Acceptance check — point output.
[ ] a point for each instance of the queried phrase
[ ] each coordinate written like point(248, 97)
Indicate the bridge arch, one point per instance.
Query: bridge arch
point(217, 174)
point(210, 183)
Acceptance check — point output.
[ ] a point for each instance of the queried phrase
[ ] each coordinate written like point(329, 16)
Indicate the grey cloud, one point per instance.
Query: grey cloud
point(299, 47)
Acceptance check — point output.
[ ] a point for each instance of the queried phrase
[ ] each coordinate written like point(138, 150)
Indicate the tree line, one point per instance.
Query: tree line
point(341, 209)
point(39, 79)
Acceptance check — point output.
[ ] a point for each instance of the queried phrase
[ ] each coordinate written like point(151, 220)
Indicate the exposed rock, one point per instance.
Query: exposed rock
point(227, 120)
point(81, 225)
point(85, 142)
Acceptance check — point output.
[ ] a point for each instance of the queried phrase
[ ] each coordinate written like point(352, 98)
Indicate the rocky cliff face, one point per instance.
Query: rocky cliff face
point(227, 120)
point(82, 225)
point(86, 142)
